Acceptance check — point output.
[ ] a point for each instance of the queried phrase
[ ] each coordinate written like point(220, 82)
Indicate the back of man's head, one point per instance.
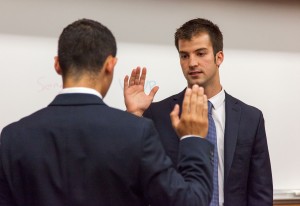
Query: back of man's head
point(83, 47)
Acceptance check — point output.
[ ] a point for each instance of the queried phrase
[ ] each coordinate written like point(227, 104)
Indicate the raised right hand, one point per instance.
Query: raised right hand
point(194, 115)
point(136, 100)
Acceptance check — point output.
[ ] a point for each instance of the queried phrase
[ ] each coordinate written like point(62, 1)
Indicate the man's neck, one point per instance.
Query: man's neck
point(83, 82)
point(212, 91)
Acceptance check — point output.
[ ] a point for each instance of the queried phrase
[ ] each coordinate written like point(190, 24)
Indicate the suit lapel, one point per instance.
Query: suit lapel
point(233, 115)
point(177, 99)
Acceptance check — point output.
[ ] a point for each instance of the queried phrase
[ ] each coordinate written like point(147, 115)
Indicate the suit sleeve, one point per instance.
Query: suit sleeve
point(260, 184)
point(5, 192)
point(163, 184)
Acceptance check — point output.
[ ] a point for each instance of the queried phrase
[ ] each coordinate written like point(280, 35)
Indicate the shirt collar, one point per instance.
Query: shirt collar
point(84, 90)
point(218, 99)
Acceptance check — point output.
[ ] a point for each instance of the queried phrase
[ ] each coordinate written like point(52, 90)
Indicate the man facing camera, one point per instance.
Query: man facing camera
point(242, 169)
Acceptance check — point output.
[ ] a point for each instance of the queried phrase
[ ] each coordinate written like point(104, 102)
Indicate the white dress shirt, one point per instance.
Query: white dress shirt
point(83, 90)
point(218, 114)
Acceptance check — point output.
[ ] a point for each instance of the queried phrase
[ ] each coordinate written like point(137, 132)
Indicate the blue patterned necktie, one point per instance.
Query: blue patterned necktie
point(212, 137)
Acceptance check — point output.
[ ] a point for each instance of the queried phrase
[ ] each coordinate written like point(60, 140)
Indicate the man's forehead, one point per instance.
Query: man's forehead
point(197, 42)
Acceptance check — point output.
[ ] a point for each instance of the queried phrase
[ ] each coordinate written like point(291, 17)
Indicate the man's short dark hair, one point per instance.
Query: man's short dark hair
point(83, 46)
point(197, 26)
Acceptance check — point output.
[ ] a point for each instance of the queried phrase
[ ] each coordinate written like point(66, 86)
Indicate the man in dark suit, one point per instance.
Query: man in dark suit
point(244, 171)
point(80, 152)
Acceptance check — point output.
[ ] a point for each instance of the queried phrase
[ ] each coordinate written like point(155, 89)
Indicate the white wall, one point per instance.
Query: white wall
point(267, 80)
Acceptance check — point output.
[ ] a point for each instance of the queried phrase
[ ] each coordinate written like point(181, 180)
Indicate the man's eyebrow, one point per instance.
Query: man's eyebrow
point(201, 50)
point(197, 50)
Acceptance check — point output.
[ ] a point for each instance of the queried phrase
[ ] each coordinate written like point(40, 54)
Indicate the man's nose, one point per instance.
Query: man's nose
point(193, 61)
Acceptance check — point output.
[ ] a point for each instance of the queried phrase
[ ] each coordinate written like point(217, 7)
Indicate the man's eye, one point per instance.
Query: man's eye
point(183, 56)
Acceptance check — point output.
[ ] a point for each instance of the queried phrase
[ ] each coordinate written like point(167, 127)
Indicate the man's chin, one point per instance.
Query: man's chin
point(199, 83)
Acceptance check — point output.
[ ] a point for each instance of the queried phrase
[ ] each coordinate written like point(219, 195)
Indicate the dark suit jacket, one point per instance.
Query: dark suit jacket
point(248, 177)
point(78, 151)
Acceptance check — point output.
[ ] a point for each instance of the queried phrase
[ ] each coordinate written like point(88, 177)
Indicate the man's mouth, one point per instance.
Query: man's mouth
point(195, 73)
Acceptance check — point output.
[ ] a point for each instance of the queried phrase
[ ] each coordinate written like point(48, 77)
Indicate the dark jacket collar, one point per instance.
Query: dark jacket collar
point(178, 98)
point(76, 99)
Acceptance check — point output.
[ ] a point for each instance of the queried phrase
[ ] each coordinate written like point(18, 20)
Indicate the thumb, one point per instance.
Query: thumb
point(153, 91)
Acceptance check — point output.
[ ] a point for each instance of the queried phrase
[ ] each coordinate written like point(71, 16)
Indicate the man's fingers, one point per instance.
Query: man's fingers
point(132, 77)
point(194, 100)
point(200, 101)
point(174, 115)
point(137, 76)
point(186, 102)
point(126, 82)
point(143, 76)
point(202, 106)
point(193, 119)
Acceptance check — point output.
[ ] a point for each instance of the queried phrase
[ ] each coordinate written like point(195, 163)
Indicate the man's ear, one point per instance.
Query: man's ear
point(110, 64)
point(219, 58)
point(57, 66)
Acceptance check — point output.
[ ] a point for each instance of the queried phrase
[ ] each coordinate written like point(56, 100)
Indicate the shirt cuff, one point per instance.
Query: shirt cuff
point(187, 136)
